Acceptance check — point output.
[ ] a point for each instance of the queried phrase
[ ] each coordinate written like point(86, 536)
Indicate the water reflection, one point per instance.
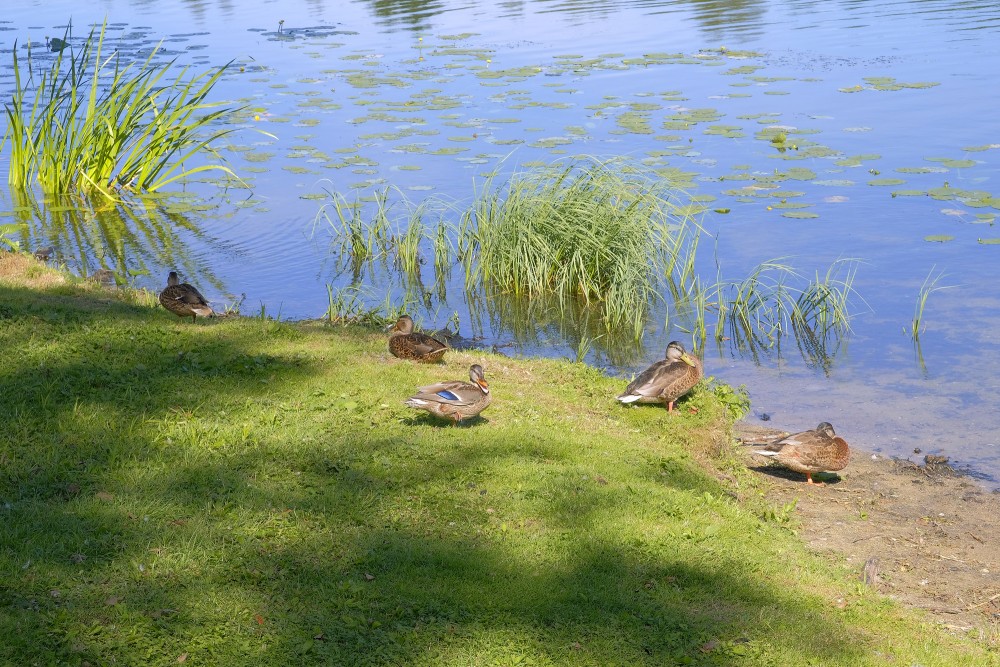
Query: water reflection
point(720, 19)
point(129, 239)
point(407, 14)
point(573, 330)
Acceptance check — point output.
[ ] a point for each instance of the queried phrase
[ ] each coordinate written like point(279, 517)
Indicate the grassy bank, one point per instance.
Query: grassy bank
point(248, 492)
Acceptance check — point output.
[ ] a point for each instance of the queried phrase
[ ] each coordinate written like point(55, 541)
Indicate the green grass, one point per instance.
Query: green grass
point(251, 492)
point(94, 124)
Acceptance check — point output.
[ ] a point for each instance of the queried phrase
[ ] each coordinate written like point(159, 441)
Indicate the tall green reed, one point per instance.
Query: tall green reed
point(94, 124)
point(756, 313)
point(929, 286)
point(584, 249)
point(586, 232)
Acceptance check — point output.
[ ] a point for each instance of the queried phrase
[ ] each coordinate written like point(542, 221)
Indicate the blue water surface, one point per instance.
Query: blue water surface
point(526, 82)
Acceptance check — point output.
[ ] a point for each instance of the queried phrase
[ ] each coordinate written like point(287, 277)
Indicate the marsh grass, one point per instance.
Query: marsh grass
point(94, 124)
point(351, 305)
point(586, 249)
point(251, 491)
point(587, 232)
point(366, 234)
point(756, 314)
point(929, 286)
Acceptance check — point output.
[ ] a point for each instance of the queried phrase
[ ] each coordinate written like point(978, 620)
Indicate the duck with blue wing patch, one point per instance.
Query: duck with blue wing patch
point(454, 399)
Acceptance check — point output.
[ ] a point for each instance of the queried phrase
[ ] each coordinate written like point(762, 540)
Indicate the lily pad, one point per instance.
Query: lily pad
point(939, 238)
point(959, 164)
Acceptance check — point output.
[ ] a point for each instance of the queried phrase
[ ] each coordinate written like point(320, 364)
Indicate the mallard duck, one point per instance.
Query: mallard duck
point(454, 399)
point(182, 299)
point(666, 380)
point(406, 343)
point(818, 450)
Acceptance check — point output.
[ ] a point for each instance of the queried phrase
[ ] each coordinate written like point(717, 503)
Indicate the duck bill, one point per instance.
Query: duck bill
point(686, 358)
point(482, 385)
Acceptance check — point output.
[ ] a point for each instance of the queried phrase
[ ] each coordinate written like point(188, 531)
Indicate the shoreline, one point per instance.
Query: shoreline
point(917, 533)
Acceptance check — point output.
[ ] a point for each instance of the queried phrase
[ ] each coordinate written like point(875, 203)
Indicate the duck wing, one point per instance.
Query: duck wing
point(653, 380)
point(424, 344)
point(452, 392)
point(832, 455)
point(190, 295)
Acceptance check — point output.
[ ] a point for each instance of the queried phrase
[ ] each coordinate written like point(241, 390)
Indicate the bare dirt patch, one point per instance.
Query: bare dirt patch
point(22, 270)
point(925, 534)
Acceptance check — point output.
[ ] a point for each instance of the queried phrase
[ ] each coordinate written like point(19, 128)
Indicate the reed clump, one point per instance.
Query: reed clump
point(583, 250)
point(586, 232)
point(94, 124)
point(754, 315)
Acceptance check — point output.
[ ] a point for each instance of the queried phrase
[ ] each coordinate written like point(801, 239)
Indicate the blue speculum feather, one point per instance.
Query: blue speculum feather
point(447, 395)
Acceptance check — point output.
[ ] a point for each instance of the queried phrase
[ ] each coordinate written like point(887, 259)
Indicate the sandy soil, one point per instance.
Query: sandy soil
point(924, 534)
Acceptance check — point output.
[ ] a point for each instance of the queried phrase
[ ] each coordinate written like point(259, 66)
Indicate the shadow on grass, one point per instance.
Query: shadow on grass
point(142, 524)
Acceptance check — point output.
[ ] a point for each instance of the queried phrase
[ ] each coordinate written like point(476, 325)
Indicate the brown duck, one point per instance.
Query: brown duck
point(182, 299)
point(454, 399)
point(809, 452)
point(666, 380)
point(406, 343)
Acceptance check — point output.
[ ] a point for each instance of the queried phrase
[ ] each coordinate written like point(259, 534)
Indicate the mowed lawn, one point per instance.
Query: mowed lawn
point(245, 492)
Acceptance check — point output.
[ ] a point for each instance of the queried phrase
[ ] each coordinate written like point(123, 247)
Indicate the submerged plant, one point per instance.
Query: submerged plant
point(94, 124)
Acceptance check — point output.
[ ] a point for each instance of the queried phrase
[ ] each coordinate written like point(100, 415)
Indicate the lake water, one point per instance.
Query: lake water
point(892, 107)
